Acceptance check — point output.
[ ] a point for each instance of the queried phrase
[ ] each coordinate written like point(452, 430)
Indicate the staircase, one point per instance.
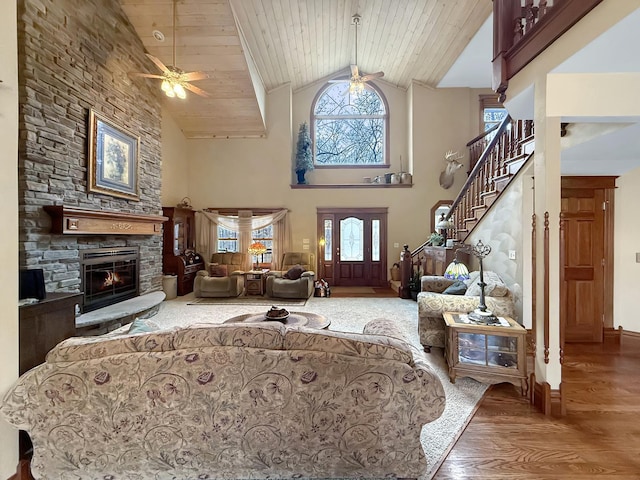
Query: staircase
point(495, 158)
point(504, 151)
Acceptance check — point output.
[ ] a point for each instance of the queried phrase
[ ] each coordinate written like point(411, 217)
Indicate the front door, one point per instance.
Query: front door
point(352, 249)
point(587, 258)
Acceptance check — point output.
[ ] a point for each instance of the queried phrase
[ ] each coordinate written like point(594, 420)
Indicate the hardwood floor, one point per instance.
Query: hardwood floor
point(598, 438)
point(374, 292)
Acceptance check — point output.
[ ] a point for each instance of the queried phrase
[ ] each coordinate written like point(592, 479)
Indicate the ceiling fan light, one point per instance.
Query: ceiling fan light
point(179, 91)
point(170, 93)
point(166, 86)
point(355, 87)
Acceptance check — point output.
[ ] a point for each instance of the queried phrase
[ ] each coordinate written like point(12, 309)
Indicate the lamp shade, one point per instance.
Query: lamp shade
point(444, 224)
point(457, 271)
point(257, 248)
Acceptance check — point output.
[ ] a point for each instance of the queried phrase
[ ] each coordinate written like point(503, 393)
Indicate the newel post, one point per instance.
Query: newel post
point(405, 273)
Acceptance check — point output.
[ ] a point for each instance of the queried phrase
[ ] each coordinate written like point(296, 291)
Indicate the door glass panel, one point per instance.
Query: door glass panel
point(375, 240)
point(351, 240)
point(328, 237)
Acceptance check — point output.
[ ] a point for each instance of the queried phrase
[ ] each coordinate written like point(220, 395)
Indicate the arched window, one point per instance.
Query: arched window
point(350, 130)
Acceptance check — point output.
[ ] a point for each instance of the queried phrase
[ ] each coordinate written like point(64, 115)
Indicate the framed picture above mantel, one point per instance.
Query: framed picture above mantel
point(113, 158)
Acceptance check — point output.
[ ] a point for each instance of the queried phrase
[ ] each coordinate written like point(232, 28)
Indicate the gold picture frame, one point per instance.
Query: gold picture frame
point(113, 158)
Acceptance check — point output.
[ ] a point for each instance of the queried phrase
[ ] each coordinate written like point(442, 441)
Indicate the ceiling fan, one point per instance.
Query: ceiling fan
point(357, 81)
point(175, 80)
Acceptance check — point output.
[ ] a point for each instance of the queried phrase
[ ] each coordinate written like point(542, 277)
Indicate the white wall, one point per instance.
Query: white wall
point(175, 162)
point(626, 246)
point(9, 215)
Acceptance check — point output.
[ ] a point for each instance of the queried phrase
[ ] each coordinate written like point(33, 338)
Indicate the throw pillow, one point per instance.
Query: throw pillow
point(495, 286)
point(216, 270)
point(294, 272)
point(143, 325)
point(457, 288)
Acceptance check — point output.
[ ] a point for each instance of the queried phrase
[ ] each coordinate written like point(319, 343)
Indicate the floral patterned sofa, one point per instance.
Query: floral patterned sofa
point(432, 303)
point(228, 401)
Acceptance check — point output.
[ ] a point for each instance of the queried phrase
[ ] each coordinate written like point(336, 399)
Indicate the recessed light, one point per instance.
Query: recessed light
point(158, 35)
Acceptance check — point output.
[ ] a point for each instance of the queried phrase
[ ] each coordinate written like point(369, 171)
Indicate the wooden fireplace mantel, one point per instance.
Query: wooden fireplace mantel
point(83, 221)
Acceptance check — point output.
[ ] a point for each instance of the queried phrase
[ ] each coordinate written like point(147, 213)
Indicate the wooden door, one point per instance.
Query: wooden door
point(587, 260)
point(352, 250)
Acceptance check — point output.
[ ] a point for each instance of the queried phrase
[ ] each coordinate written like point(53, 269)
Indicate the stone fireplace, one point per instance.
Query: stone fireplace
point(57, 90)
point(109, 275)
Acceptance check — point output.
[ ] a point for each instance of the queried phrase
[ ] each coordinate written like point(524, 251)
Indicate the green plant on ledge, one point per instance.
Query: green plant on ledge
point(436, 239)
point(304, 153)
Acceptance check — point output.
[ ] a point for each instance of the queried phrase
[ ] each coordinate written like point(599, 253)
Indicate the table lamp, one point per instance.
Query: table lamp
point(481, 314)
point(456, 270)
point(257, 248)
point(443, 225)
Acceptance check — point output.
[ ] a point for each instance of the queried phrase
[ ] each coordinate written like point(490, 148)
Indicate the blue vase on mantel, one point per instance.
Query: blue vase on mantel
point(301, 179)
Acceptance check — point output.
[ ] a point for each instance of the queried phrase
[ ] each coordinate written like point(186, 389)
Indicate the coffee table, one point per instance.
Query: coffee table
point(298, 319)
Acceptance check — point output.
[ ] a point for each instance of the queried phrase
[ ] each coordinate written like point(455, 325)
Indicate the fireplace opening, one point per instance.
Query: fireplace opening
point(109, 275)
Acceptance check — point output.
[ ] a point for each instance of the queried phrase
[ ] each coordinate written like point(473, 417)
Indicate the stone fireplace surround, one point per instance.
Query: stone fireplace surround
point(73, 57)
point(110, 274)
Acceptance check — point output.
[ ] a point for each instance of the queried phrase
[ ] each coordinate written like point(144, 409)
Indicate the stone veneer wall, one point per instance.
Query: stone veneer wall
point(75, 55)
point(501, 228)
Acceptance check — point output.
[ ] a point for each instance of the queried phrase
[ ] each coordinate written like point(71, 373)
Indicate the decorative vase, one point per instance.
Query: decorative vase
point(300, 174)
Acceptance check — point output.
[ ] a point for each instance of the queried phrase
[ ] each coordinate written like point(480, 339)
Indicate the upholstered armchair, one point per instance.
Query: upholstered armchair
point(279, 286)
point(433, 302)
point(223, 278)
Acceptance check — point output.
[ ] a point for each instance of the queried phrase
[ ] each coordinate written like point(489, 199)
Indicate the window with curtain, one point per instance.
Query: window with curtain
point(349, 130)
point(228, 241)
point(236, 229)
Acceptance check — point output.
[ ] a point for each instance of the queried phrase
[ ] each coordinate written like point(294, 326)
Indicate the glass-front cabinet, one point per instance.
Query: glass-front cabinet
point(488, 353)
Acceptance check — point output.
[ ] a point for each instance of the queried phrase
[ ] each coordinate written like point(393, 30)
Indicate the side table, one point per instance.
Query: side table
point(487, 353)
point(255, 281)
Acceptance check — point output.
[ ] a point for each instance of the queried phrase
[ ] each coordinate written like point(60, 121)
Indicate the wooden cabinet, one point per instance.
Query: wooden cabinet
point(254, 282)
point(178, 251)
point(487, 353)
point(45, 324)
point(42, 326)
point(438, 258)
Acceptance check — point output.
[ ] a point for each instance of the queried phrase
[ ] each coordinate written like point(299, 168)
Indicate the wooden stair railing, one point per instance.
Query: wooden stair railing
point(521, 32)
point(507, 147)
point(503, 156)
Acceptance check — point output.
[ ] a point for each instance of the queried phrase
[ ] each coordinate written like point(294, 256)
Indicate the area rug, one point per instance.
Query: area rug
point(350, 315)
point(249, 300)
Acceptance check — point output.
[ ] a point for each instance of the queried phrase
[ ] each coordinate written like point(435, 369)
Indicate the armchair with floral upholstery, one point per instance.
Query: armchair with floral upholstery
point(296, 279)
point(434, 300)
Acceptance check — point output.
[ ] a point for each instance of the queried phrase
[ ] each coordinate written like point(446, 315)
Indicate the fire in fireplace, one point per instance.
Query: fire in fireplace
point(109, 275)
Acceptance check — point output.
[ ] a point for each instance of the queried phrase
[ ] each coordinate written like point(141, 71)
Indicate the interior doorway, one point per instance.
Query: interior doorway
point(586, 247)
point(352, 246)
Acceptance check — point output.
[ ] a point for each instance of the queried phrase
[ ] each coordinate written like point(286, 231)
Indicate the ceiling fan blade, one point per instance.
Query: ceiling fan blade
point(192, 76)
point(371, 76)
point(354, 71)
point(196, 90)
point(147, 75)
point(158, 63)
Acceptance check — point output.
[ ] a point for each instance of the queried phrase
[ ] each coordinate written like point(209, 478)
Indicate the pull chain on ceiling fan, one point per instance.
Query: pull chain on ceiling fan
point(356, 82)
point(175, 80)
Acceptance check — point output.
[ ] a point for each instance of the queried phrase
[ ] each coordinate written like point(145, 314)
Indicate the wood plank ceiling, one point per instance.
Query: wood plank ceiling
point(298, 42)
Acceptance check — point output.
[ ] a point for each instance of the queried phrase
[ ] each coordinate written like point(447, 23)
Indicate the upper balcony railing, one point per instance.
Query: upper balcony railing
point(522, 29)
